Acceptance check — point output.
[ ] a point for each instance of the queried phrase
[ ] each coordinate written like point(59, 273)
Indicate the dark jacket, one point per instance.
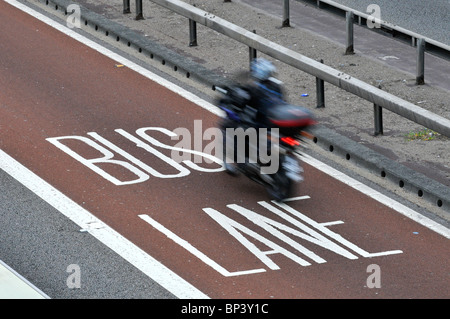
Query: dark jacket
point(264, 95)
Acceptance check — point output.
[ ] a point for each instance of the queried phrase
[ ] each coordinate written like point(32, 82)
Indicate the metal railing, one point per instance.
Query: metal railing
point(379, 98)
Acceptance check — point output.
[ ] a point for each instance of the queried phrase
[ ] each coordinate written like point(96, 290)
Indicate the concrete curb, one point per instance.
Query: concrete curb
point(430, 190)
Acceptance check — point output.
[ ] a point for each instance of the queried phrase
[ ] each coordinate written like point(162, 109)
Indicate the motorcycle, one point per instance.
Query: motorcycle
point(284, 135)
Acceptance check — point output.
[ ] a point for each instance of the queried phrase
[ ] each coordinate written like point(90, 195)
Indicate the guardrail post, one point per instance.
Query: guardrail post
point(349, 17)
point(420, 78)
point(192, 33)
point(320, 91)
point(126, 6)
point(378, 119)
point(139, 14)
point(252, 52)
point(285, 14)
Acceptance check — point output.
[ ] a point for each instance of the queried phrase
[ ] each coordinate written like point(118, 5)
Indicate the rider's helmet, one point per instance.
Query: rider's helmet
point(262, 69)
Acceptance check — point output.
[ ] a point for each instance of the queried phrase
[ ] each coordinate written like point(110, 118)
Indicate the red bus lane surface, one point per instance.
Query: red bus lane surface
point(102, 135)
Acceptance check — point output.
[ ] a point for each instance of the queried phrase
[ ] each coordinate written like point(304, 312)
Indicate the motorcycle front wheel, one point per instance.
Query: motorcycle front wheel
point(282, 186)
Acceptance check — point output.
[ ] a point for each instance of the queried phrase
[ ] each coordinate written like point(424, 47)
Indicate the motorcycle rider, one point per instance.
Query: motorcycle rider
point(263, 92)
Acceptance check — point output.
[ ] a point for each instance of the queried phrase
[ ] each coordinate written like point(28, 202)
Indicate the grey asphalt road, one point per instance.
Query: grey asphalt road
point(430, 18)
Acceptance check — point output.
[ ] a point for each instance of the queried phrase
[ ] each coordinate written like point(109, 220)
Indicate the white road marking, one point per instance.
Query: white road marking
point(186, 245)
point(112, 239)
point(384, 58)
